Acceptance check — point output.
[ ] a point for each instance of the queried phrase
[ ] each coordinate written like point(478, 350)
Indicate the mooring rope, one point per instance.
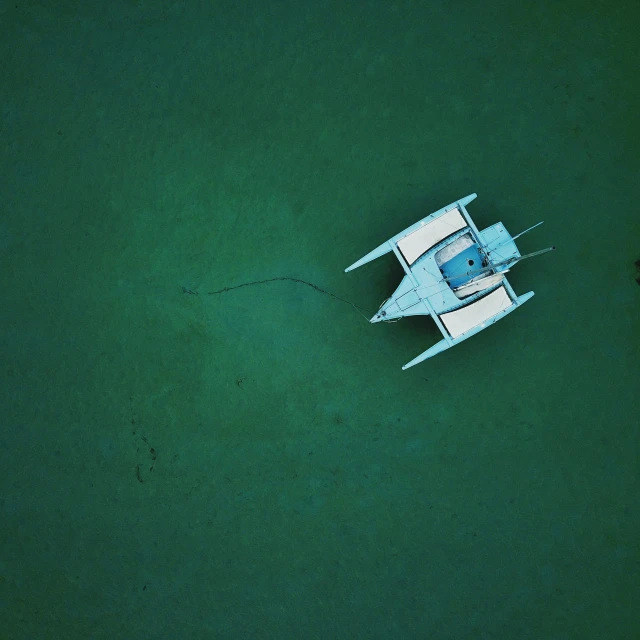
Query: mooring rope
point(358, 308)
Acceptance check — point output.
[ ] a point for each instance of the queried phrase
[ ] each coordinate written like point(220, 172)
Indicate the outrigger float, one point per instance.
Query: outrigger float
point(454, 273)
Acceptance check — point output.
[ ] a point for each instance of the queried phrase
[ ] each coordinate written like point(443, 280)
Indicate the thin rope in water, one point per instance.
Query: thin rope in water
point(358, 308)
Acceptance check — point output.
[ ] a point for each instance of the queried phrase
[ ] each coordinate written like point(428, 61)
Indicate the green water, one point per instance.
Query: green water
point(255, 463)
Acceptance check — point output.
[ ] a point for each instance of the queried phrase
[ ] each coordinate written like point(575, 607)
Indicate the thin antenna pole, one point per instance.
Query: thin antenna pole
point(527, 230)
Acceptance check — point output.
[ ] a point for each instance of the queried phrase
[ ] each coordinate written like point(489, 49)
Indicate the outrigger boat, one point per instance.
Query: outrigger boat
point(453, 273)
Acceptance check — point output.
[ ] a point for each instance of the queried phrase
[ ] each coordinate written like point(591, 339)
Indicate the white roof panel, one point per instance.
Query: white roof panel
point(462, 320)
point(425, 237)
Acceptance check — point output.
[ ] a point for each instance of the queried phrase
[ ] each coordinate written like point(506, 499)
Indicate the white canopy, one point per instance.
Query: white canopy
point(462, 320)
point(422, 239)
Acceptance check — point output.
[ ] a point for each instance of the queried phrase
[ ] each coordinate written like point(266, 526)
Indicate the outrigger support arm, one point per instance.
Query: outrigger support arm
point(372, 255)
